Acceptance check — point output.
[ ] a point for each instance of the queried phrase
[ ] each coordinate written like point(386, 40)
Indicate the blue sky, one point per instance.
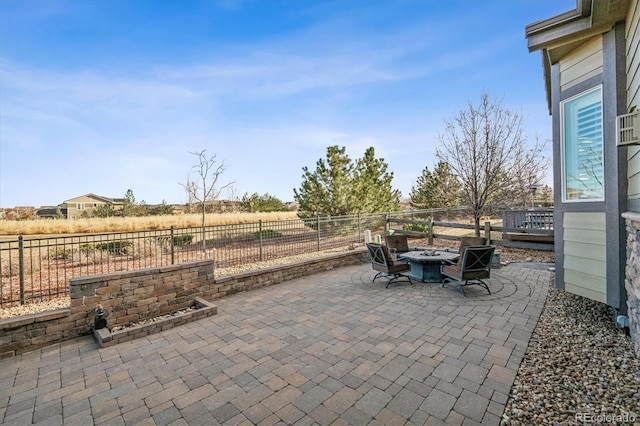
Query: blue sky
point(103, 96)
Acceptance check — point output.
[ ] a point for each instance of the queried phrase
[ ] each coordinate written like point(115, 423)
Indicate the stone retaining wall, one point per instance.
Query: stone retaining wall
point(141, 294)
point(632, 280)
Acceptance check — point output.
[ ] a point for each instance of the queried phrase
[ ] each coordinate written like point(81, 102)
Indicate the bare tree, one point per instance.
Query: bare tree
point(191, 188)
point(206, 189)
point(233, 197)
point(486, 149)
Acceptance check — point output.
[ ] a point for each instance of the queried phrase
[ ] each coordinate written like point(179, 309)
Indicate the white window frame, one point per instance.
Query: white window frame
point(80, 206)
point(563, 146)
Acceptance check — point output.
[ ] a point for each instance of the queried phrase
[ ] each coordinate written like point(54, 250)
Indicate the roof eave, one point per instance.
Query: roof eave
point(559, 35)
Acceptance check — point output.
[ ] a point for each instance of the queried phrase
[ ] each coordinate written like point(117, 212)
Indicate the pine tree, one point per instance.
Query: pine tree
point(447, 191)
point(327, 190)
point(440, 189)
point(339, 187)
point(372, 185)
point(423, 194)
point(129, 206)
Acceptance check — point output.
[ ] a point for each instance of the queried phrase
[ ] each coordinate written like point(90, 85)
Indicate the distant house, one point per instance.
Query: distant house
point(85, 205)
point(591, 63)
point(51, 212)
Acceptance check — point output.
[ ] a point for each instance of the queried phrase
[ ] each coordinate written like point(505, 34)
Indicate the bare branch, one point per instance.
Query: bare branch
point(486, 149)
point(209, 173)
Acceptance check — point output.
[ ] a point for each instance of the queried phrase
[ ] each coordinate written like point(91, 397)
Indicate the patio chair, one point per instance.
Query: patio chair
point(397, 244)
point(471, 242)
point(473, 266)
point(466, 242)
point(382, 262)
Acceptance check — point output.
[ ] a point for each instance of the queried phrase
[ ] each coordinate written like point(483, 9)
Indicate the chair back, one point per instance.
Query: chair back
point(397, 243)
point(471, 242)
point(476, 262)
point(379, 255)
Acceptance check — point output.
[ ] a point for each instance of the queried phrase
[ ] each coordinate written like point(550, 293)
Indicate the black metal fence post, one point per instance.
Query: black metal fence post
point(173, 260)
point(318, 225)
point(260, 234)
point(21, 267)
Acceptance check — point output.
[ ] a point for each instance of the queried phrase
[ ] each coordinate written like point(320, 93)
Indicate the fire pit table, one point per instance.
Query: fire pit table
point(425, 264)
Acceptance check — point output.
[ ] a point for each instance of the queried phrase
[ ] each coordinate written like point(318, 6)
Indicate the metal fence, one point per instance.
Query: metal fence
point(37, 269)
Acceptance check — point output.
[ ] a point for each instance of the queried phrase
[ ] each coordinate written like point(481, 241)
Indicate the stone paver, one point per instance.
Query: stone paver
point(333, 348)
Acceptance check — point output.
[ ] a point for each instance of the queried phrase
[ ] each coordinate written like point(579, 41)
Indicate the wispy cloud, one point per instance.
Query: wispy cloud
point(345, 73)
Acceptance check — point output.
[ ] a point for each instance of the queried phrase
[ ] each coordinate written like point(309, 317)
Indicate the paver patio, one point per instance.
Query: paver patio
point(332, 348)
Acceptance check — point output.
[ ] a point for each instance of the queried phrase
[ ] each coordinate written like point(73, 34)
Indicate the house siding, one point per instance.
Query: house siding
point(596, 256)
point(582, 64)
point(585, 254)
point(91, 202)
point(632, 32)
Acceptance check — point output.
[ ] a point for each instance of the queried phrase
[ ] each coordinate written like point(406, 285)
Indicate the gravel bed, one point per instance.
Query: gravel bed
point(579, 368)
point(151, 320)
point(221, 272)
point(34, 308)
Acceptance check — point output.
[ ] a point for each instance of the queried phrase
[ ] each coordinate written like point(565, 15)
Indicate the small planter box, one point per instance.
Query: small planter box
point(104, 337)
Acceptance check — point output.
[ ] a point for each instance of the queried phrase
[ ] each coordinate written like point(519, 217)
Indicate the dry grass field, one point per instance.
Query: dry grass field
point(45, 227)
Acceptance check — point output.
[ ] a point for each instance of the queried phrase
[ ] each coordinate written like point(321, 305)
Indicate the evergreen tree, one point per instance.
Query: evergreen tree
point(104, 210)
point(447, 192)
point(372, 185)
point(327, 190)
point(129, 206)
point(439, 189)
point(339, 187)
point(261, 203)
point(162, 209)
point(423, 194)
point(142, 209)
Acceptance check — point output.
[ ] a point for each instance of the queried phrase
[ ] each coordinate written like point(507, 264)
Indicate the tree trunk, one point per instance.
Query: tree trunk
point(476, 223)
point(204, 241)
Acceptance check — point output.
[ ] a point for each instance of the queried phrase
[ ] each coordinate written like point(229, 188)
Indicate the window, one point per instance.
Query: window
point(79, 206)
point(582, 147)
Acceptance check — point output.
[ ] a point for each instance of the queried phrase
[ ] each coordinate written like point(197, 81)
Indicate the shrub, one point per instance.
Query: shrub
point(60, 253)
point(181, 240)
point(266, 234)
point(115, 247)
point(269, 233)
point(87, 248)
point(416, 227)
